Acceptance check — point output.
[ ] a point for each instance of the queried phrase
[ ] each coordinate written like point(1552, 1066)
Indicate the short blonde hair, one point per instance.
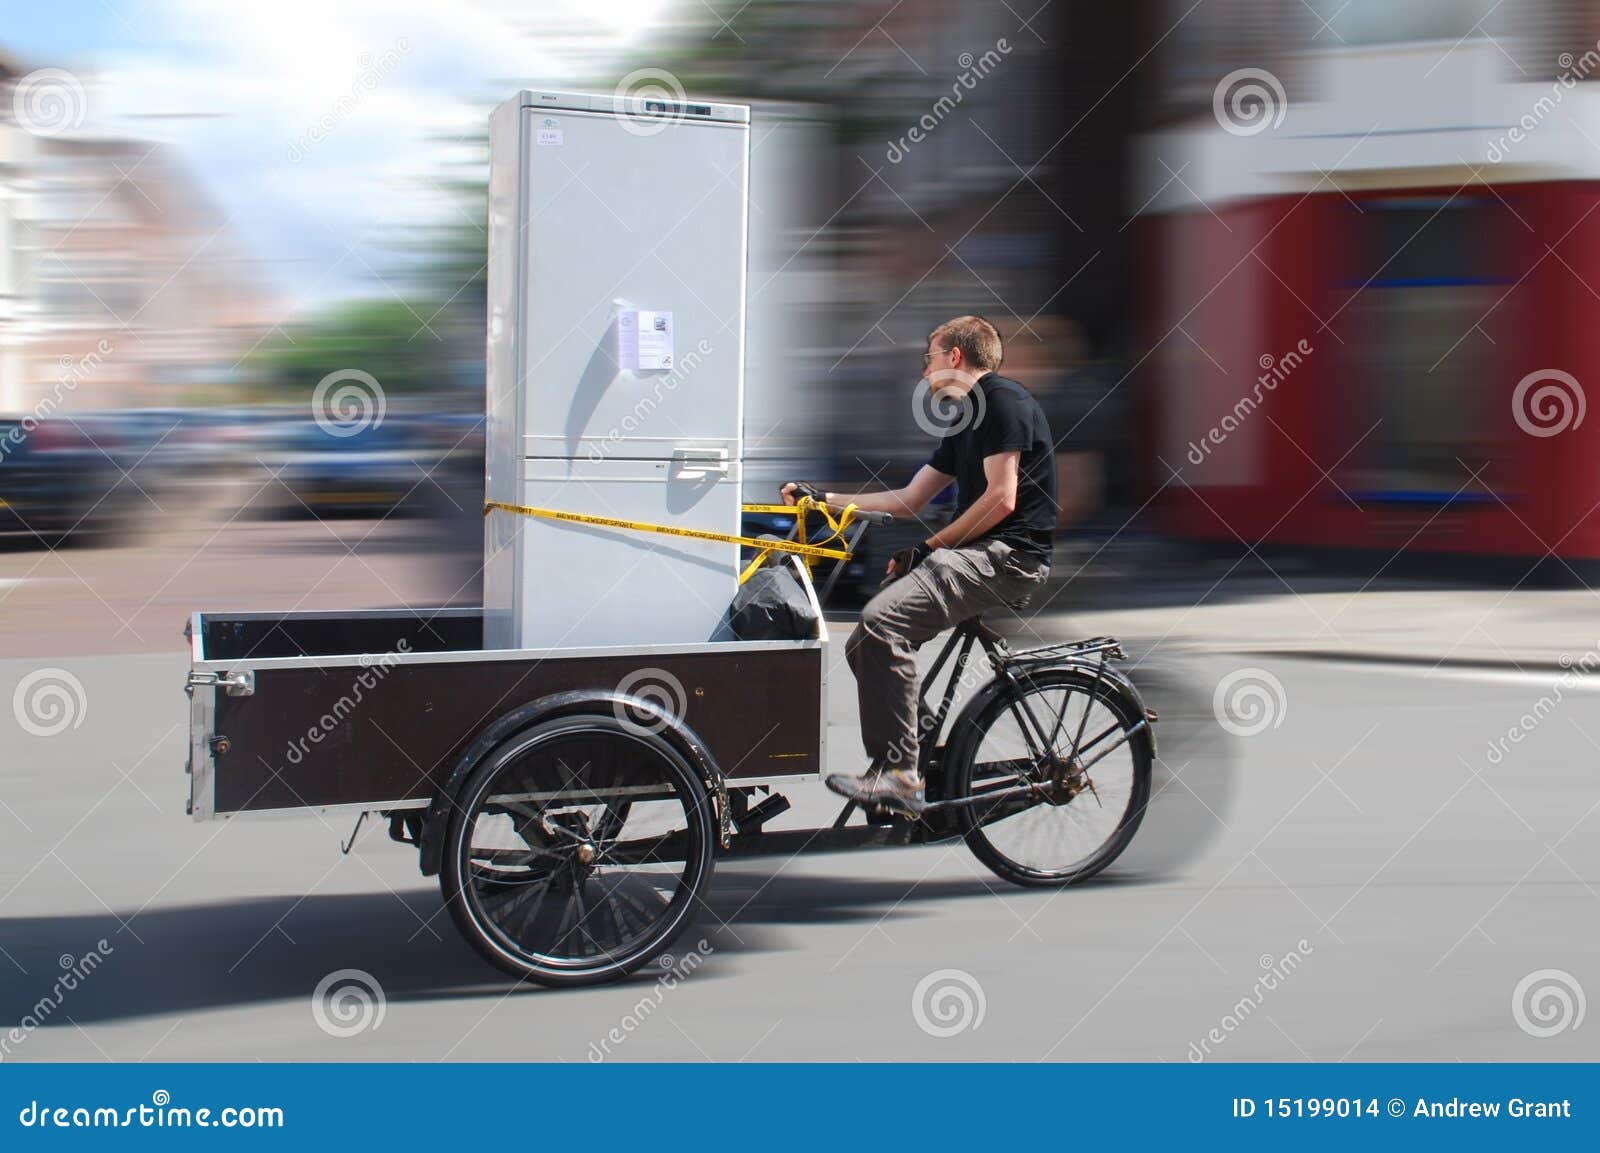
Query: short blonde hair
point(977, 339)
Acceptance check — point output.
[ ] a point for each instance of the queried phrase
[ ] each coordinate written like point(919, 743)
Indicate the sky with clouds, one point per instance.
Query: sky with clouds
point(239, 90)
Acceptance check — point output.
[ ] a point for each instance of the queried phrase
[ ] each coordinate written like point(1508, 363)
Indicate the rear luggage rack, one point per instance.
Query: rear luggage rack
point(1110, 646)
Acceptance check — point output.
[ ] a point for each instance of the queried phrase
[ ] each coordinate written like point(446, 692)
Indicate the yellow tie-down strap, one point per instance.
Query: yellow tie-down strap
point(809, 553)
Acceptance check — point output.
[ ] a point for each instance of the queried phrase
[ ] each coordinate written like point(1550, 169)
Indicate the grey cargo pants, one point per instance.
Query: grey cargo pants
point(949, 586)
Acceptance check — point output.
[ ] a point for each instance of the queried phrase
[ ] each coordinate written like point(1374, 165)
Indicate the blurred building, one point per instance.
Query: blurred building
point(119, 282)
point(1288, 260)
point(1369, 261)
point(971, 168)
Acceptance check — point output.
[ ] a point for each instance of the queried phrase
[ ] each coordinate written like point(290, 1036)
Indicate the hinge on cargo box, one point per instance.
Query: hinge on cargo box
point(696, 463)
point(242, 684)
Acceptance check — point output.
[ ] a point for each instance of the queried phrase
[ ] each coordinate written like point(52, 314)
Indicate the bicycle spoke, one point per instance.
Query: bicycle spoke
point(530, 917)
point(1066, 821)
point(575, 858)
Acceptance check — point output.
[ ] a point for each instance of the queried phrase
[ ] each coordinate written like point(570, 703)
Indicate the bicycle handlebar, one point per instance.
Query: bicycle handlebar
point(860, 514)
point(871, 517)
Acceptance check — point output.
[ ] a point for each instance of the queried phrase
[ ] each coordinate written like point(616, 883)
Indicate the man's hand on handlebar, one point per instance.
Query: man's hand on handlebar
point(796, 489)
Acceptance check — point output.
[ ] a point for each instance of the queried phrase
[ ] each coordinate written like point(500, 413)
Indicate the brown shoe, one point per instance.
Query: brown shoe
point(893, 789)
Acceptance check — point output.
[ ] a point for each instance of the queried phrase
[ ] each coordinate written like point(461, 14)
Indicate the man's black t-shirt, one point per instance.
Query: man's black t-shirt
point(999, 415)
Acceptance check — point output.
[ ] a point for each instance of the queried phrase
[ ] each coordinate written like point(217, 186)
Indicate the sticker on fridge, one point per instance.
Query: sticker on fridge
point(644, 340)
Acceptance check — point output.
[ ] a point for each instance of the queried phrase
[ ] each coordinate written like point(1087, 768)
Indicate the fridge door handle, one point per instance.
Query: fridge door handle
point(697, 463)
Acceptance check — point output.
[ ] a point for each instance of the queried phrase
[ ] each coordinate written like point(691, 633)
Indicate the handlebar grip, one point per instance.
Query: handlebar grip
point(861, 514)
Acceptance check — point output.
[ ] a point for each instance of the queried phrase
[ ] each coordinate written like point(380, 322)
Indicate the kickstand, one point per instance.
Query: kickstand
point(345, 847)
point(844, 815)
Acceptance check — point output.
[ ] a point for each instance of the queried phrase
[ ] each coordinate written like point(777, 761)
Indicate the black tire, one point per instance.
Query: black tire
point(627, 892)
point(994, 738)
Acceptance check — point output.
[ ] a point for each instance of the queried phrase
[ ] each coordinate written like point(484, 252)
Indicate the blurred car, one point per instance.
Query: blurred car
point(160, 452)
point(375, 470)
point(459, 439)
point(59, 483)
point(138, 442)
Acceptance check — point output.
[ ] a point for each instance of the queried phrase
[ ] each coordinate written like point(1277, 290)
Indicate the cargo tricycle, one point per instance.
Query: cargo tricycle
point(574, 801)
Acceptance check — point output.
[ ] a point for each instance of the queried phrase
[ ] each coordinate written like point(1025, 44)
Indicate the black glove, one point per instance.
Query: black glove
point(908, 558)
point(799, 488)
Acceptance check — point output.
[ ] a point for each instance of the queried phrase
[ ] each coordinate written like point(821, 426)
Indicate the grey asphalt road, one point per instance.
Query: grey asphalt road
point(1369, 877)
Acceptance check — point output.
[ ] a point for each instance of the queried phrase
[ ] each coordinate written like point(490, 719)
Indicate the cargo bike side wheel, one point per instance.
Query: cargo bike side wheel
point(578, 850)
point(1056, 773)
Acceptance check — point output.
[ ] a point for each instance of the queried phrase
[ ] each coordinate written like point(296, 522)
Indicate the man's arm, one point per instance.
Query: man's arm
point(907, 502)
point(1001, 472)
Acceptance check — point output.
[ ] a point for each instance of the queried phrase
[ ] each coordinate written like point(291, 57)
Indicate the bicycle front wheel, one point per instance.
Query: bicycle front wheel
point(578, 850)
point(1058, 770)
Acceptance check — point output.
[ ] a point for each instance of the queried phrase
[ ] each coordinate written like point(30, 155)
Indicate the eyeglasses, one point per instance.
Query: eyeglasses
point(927, 357)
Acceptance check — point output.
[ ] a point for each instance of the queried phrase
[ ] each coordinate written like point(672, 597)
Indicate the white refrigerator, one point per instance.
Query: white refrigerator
point(617, 248)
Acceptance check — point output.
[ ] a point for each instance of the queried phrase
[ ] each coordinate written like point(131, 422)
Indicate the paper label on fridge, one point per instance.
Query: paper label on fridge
point(644, 340)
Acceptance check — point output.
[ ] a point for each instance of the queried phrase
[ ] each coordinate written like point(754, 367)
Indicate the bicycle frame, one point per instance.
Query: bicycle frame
point(1012, 671)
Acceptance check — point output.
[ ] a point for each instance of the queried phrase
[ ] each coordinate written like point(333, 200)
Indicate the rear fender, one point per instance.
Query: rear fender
point(574, 703)
point(964, 730)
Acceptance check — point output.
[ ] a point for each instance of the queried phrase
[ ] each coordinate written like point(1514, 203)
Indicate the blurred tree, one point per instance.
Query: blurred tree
point(393, 340)
point(423, 342)
point(449, 259)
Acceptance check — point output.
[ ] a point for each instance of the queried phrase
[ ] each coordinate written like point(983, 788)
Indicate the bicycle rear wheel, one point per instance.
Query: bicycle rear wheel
point(1044, 815)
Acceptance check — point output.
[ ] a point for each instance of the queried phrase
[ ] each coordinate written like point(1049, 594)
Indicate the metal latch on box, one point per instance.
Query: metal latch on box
point(241, 684)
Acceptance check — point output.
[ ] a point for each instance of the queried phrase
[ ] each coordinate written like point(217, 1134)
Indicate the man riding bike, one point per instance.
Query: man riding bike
point(996, 552)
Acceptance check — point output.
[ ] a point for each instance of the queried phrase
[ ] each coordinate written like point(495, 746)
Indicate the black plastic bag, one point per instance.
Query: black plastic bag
point(772, 606)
